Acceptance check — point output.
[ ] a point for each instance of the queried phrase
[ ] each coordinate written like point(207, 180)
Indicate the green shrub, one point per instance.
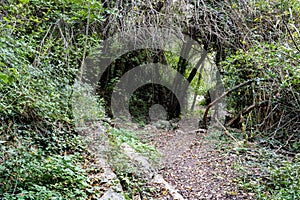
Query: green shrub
point(274, 94)
point(268, 175)
point(29, 173)
point(284, 181)
point(41, 153)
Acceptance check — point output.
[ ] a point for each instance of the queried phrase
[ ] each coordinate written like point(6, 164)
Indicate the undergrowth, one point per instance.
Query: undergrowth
point(262, 171)
point(28, 173)
point(41, 154)
point(126, 170)
point(269, 175)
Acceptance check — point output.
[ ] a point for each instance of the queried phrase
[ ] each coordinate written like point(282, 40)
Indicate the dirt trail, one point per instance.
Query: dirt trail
point(190, 163)
point(193, 165)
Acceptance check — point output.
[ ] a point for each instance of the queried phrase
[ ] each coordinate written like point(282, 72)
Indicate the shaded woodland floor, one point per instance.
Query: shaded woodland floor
point(192, 163)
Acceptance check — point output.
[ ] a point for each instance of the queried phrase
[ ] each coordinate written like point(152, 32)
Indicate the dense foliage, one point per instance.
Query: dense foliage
point(43, 46)
point(271, 104)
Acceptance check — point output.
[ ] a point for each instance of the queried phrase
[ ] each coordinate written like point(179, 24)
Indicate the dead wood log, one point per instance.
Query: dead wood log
point(221, 97)
point(246, 111)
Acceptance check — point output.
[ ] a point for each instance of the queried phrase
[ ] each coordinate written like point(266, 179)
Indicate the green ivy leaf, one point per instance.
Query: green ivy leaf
point(24, 1)
point(4, 78)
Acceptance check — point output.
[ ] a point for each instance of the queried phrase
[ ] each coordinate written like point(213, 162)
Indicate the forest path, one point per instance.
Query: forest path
point(192, 163)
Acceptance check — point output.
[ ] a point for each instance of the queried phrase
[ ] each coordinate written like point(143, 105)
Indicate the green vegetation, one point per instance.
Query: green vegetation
point(269, 175)
point(30, 174)
point(271, 103)
point(43, 47)
point(127, 171)
point(265, 173)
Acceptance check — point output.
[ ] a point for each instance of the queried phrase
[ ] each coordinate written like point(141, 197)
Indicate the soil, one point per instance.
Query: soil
point(194, 165)
point(191, 162)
